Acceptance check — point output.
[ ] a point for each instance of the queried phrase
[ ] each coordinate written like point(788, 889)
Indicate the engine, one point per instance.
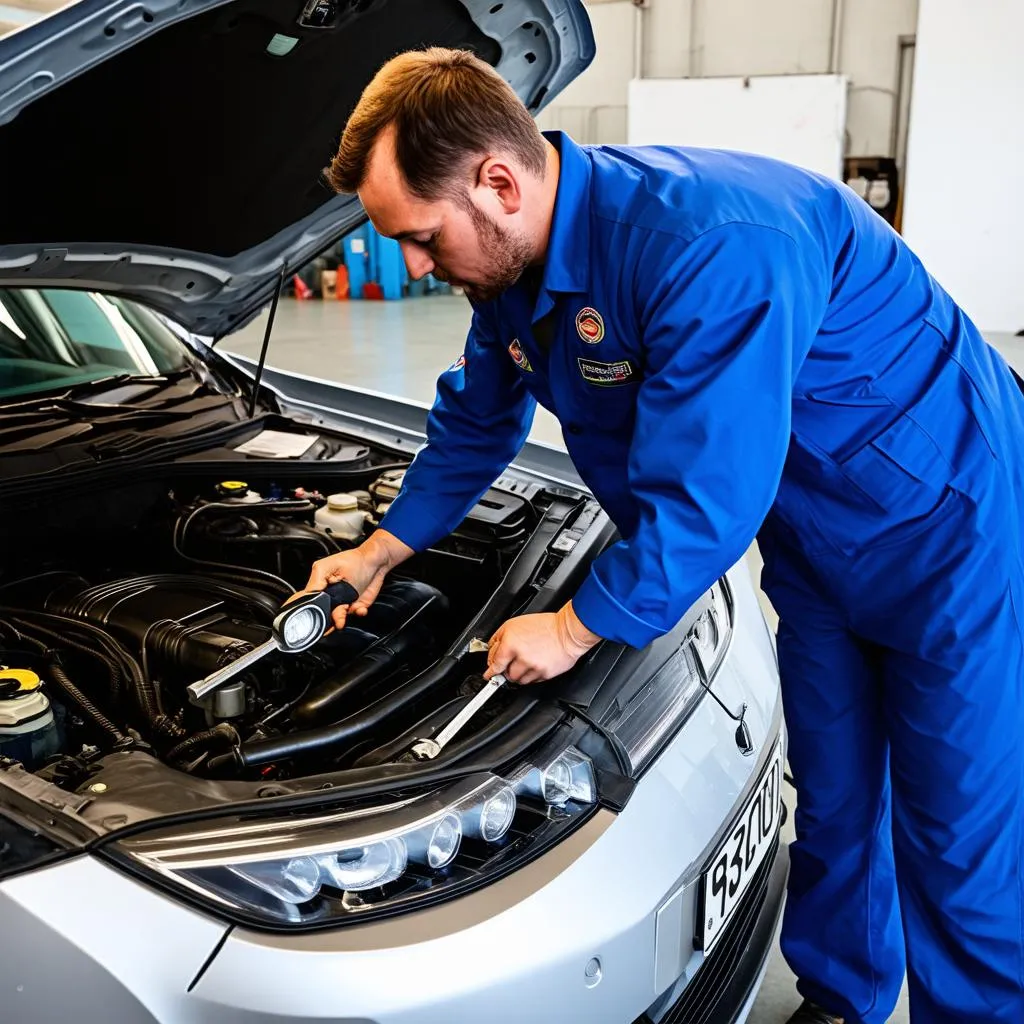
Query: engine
point(98, 647)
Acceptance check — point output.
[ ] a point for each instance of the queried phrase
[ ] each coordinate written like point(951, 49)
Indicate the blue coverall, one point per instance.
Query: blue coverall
point(744, 348)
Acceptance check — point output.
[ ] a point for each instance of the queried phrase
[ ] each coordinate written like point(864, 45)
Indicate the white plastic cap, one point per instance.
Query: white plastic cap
point(342, 502)
point(16, 712)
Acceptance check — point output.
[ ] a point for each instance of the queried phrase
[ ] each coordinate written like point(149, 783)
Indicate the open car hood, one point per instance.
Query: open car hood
point(162, 151)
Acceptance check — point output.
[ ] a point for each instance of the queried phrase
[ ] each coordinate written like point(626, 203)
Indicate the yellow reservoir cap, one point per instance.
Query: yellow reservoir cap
point(26, 679)
point(234, 485)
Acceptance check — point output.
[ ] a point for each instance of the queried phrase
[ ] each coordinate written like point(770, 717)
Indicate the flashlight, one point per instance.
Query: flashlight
point(300, 624)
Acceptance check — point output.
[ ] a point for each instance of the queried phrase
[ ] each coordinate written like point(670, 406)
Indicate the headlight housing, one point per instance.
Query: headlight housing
point(660, 707)
point(310, 871)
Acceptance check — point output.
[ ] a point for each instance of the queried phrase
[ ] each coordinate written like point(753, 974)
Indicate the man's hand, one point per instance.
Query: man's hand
point(532, 648)
point(363, 567)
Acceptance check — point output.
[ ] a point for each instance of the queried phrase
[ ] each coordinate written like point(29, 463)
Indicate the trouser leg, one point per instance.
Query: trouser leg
point(841, 932)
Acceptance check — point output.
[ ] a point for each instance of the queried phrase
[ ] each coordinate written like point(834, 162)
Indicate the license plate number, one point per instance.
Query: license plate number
point(736, 861)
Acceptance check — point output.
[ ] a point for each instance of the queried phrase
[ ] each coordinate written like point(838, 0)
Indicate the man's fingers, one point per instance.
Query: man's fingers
point(497, 661)
point(518, 669)
point(338, 616)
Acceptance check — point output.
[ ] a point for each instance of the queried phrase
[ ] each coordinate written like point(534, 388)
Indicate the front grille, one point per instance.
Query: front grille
point(700, 998)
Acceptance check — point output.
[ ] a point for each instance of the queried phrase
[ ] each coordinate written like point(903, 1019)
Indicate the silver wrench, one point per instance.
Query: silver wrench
point(427, 750)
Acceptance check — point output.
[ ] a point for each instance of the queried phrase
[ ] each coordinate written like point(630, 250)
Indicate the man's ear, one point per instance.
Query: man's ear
point(501, 179)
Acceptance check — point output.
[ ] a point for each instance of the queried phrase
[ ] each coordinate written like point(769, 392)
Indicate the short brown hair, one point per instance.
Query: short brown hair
point(447, 106)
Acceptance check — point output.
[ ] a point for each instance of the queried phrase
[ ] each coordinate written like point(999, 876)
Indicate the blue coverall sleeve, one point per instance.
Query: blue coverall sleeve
point(479, 420)
point(726, 321)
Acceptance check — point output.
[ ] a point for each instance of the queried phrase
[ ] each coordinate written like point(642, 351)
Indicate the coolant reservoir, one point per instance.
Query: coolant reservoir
point(342, 517)
point(28, 731)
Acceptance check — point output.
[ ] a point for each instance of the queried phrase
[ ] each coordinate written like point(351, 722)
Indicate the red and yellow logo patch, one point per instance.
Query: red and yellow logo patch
point(515, 350)
point(589, 325)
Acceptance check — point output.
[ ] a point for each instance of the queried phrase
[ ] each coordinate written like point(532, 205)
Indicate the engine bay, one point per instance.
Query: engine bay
point(113, 602)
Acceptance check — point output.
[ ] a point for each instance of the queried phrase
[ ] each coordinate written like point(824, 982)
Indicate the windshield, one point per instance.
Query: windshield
point(55, 338)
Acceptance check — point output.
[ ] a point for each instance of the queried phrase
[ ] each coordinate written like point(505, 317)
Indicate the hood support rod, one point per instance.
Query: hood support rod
point(266, 344)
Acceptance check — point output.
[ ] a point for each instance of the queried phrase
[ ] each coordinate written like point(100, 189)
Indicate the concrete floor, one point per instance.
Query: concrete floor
point(399, 348)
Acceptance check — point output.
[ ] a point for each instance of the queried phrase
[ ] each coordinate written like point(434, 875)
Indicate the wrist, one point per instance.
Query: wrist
point(578, 636)
point(385, 550)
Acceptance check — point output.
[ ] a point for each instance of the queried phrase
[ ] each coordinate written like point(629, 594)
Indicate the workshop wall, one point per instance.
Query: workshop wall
point(691, 38)
point(964, 211)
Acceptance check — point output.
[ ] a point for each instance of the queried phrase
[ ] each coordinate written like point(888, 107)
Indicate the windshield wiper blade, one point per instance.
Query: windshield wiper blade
point(162, 380)
point(129, 442)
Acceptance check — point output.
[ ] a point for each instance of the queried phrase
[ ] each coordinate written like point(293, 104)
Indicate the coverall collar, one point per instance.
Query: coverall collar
point(567, 265)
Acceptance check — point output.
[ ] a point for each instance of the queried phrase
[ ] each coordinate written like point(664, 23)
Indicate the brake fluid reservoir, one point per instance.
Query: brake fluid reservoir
point(342, 517)
point(28, 731)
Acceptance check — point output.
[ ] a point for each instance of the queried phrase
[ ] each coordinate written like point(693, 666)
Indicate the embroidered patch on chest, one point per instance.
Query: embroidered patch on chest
point(607, 374)
point(515, 350)
point(590, 325)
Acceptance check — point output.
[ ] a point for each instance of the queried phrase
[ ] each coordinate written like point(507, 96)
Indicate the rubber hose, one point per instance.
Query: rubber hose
point(328, 696)
point(259, 752)
point(200, 742)
point(113, 670)
point(60, 677)
point(145, 695)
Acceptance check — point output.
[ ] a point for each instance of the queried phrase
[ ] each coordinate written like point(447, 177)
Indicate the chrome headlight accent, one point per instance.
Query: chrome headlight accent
point(319, 870)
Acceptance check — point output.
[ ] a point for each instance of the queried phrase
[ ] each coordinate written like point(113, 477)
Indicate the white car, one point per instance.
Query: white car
point(211, 813)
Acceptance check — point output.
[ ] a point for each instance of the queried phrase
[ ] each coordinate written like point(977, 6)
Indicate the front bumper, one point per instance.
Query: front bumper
point(723, 990)
point(599, 929)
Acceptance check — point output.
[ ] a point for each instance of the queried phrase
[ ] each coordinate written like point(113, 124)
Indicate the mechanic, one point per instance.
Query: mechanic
point(737, 348)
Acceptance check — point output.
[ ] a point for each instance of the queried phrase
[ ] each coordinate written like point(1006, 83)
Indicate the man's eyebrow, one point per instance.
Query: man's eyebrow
point(400, 235)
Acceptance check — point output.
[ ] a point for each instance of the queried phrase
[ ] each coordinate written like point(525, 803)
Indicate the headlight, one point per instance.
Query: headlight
point(492, 818)
point(656, 711)
point(321, 870)
point(569, 777)
point(358, 868)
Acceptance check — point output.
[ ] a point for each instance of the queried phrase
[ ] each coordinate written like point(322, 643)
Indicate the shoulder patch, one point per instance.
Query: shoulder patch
point(515, 350)
point(607, 374)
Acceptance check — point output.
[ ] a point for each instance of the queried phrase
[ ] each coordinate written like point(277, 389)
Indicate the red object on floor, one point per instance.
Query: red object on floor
point(302, 290)
point(372, 290)
point(341, 286)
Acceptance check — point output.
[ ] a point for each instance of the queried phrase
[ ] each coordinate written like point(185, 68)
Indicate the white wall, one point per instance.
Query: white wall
point(692, 38)
point(964, 204)
point(798, 118)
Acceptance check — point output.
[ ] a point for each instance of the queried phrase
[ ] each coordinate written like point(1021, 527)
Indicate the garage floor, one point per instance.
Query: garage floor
point(399, 348)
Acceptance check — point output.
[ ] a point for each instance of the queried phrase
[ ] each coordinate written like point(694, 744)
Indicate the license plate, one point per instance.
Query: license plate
point(736, 861)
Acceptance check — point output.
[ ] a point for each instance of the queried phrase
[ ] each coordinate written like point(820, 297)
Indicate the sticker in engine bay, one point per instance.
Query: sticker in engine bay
point(607, 374)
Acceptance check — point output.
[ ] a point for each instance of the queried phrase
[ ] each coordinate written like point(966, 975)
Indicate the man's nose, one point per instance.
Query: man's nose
point(417, 262)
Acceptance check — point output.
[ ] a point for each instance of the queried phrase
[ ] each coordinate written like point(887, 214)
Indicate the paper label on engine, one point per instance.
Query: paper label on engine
point(276, 444)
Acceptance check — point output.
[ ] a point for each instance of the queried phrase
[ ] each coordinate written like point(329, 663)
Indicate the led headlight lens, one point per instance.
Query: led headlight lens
point(444, 842)
point(436, 844)
point(302, 628)
point(366, 867)
point(569, 777)
point(490, 819)
point(292, 881)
